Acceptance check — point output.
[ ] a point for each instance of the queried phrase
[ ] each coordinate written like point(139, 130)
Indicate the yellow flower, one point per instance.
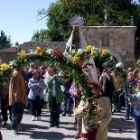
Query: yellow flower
point(94, 52)
point(104, 52)
point(88, 48)
point(135, 90)
point(4, 67)
point(22, 54)
point(38, 51)
point(75, 59)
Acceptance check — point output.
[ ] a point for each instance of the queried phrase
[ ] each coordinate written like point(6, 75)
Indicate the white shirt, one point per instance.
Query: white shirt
point(53, 89)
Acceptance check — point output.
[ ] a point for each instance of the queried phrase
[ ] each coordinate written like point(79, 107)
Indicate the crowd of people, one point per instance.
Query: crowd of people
point(33, 87)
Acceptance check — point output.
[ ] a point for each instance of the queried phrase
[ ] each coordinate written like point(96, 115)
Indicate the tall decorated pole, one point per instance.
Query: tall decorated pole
point(77, 42)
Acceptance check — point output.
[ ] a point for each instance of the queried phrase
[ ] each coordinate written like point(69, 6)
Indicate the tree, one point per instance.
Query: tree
point(40, 36)
point(5, 41)
point(59, 13)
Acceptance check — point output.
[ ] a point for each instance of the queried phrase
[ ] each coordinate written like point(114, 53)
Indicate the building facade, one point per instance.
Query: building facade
point(119, 40)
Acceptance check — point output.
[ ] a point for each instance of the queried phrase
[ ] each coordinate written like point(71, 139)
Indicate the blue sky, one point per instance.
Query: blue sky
point(136, 0)
point(18, 18)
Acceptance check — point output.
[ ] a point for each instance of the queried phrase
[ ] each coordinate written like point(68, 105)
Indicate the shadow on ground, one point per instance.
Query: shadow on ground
point(116, 138)
point(30, 129)
point(49, 136)
point(26, 127)
point(119, 125)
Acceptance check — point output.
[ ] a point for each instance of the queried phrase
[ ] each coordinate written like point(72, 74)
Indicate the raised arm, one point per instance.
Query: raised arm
point(31, 84)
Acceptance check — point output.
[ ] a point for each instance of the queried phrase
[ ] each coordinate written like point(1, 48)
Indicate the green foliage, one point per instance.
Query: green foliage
point(59, 13)
point(5, 41)
point(40, 36)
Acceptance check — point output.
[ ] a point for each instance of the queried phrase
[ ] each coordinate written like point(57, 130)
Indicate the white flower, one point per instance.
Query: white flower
point(49, 51)
point(79, 51)
point(119, 64)
point(73, 51)
point(68, 56)
point(11, 63)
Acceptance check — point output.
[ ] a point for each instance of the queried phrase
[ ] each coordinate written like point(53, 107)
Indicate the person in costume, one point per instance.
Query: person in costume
point(101, 119)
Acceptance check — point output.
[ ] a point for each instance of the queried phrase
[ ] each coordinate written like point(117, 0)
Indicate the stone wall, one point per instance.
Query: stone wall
point(9, 54)
point(120, 40)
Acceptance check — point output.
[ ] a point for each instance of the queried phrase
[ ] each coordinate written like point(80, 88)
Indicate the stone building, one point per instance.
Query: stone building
point(119, 40)
point(9, 54)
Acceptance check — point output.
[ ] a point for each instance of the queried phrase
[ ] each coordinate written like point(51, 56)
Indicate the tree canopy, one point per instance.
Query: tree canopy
point(59, 13)
point(40, 36)
point(5, 41)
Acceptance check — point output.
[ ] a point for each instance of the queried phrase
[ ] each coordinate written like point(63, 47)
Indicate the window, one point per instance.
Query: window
point(105, 40)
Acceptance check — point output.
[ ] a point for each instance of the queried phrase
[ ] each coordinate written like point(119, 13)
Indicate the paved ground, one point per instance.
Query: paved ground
point(119, 129)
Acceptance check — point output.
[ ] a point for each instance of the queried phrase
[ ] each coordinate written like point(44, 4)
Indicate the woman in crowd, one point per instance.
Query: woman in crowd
point(54, 95)
point(135, 101)
point(101, 119)
point(36, 86)
point(132, 84)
